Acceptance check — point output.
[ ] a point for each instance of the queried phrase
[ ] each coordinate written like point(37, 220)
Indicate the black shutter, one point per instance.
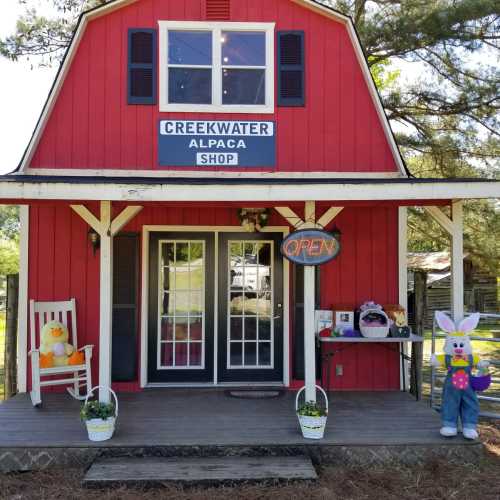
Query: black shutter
point(141, 66)
point(125, 307)
point(291, 78)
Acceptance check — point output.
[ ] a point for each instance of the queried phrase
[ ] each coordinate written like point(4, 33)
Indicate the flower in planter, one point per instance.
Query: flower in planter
point(312, 409)
point(96, 409)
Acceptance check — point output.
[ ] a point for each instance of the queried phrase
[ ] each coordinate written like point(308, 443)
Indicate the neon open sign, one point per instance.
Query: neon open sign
point(310, 247)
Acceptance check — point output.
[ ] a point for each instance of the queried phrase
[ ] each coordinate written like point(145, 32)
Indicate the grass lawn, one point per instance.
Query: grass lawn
point(437, 480)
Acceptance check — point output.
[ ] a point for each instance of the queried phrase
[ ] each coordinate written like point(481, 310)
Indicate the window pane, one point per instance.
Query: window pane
point(196, 328)
point(167, 329)
point(190, 47)
point(167, 354)
point(195, 354)
point(250, 353)
point(265, 353)
point(181, 354)
point(243, 86)
point(243, 48)
point(236, 332)
point(236, 354)
point(188, 85)
point(181, 329)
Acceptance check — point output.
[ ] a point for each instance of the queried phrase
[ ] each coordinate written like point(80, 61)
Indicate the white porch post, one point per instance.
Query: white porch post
point(105, 301)
point(457, 261)
point(309, 222)
point(106, 227)
point(455, 227)
point(309, 337)
point(309, 307)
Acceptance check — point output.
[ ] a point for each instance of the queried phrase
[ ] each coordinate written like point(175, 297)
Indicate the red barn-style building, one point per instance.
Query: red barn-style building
point(171, 128)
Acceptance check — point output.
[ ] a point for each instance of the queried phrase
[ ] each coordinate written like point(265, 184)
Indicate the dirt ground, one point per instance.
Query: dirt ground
point(434, 480)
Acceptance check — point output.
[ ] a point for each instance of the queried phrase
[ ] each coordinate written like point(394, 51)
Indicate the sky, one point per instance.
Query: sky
point(24, 88)
point(22, 94)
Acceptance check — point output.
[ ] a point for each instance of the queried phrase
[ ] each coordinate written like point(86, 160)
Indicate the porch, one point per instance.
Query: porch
point(363, 427)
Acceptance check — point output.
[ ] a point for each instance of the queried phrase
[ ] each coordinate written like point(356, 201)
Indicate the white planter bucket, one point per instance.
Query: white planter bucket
point(99, 429)
point(312, 427)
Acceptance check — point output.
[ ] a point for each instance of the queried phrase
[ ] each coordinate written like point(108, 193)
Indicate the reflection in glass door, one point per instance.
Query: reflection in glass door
point(250, 304)
point(250, 308)
point(181, 295)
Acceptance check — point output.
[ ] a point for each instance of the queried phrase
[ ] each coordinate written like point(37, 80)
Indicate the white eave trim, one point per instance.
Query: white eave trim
point(266, 192)
point(117, 4)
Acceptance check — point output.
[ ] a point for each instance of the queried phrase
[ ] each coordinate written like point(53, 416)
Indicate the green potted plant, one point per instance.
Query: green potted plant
point(312, 416)
point(99, 418)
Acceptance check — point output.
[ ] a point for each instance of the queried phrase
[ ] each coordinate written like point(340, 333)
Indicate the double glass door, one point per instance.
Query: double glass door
point(182, 288)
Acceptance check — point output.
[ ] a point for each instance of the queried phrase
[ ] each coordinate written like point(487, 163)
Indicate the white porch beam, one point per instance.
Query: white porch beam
point(454, 227)
point(457, 261)
point(88, 217)
point(403, 285)
point(328, 216)
point(290, 216)
point(441, 218)
point(309, 215)
point(174, 191)
point(124, 217)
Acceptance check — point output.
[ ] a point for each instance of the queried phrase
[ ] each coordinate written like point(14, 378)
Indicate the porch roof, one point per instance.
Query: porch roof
point(262, 188)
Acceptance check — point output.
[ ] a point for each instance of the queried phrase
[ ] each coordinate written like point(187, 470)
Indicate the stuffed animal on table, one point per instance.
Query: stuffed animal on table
point(459, 398)
point(54, 347)
point(399, 326)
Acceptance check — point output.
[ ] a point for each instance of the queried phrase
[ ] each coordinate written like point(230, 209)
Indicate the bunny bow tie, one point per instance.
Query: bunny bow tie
point(460, 357)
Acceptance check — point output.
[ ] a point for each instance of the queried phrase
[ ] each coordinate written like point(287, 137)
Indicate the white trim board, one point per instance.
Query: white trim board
point(22, 318)
point(214, 174)
point(146, 230)
point(117, 4)
point(256, 192)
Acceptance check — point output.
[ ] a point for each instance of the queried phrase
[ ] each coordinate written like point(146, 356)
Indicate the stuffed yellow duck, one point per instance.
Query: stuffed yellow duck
point(54, 347)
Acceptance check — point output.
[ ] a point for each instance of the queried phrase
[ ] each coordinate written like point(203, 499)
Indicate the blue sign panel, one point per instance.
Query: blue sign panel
point(197, 143)
point(310, 247)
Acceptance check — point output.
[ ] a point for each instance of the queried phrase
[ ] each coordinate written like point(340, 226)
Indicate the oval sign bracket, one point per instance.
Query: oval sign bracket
point(310, 247)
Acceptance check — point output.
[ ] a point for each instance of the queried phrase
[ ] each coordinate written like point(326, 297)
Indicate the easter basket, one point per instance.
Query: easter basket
point(480, 383)
point(374, 323)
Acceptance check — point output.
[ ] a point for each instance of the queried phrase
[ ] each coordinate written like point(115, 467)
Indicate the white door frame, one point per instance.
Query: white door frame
point(146, 230)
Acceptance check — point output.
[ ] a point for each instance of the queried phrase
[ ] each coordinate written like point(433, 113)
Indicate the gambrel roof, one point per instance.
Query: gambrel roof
point(114, 5)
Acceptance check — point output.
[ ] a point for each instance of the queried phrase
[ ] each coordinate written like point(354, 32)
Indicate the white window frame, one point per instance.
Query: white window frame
point(216, 28)
point(229, 341)
point(161, 292)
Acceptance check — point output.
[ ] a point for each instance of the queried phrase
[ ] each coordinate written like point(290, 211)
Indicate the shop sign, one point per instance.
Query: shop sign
point(310, 247)
point(198, 143)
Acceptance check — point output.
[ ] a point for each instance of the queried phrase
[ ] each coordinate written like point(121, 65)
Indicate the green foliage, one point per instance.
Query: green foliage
point(96, 409)
point(9, 257)
point(311, 409)
point(9, 222)
point(9, 239)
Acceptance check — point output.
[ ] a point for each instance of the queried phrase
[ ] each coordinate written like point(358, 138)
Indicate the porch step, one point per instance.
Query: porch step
point(186, 470)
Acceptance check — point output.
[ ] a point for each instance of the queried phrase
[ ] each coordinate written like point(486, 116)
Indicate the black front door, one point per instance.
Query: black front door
point(250, 333)
point(181, 304)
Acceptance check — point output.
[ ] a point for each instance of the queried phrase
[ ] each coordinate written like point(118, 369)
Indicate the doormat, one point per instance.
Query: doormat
point(255, 393)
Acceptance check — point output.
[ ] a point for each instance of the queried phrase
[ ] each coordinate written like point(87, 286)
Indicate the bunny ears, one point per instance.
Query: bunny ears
point(466, 325)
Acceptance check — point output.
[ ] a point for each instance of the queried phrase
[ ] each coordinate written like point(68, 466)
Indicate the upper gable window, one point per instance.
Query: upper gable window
point(217, 67)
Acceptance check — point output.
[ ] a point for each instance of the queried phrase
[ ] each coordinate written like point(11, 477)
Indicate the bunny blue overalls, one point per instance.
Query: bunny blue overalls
point(457, 402)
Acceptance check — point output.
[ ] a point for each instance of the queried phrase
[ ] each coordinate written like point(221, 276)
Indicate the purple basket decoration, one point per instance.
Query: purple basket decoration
point(480, 383)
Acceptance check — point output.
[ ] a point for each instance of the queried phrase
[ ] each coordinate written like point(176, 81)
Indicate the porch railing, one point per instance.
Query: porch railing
point(437, 377)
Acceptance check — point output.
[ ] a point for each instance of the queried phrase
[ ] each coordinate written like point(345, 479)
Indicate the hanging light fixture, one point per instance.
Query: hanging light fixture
point(253, 219)
point(94, 239)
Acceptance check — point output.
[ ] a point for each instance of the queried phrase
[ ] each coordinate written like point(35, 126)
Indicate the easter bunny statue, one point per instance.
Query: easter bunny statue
point(459, 398)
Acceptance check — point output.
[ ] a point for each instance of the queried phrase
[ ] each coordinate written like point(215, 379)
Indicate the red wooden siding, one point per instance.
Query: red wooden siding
point(92, 126)
point(62, 265)
point(366, 269)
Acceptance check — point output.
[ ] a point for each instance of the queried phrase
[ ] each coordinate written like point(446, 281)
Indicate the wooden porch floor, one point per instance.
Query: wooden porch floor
point(210, 418)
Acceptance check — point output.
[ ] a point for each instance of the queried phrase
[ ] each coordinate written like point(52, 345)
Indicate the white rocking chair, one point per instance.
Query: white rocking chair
point(78, 375)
